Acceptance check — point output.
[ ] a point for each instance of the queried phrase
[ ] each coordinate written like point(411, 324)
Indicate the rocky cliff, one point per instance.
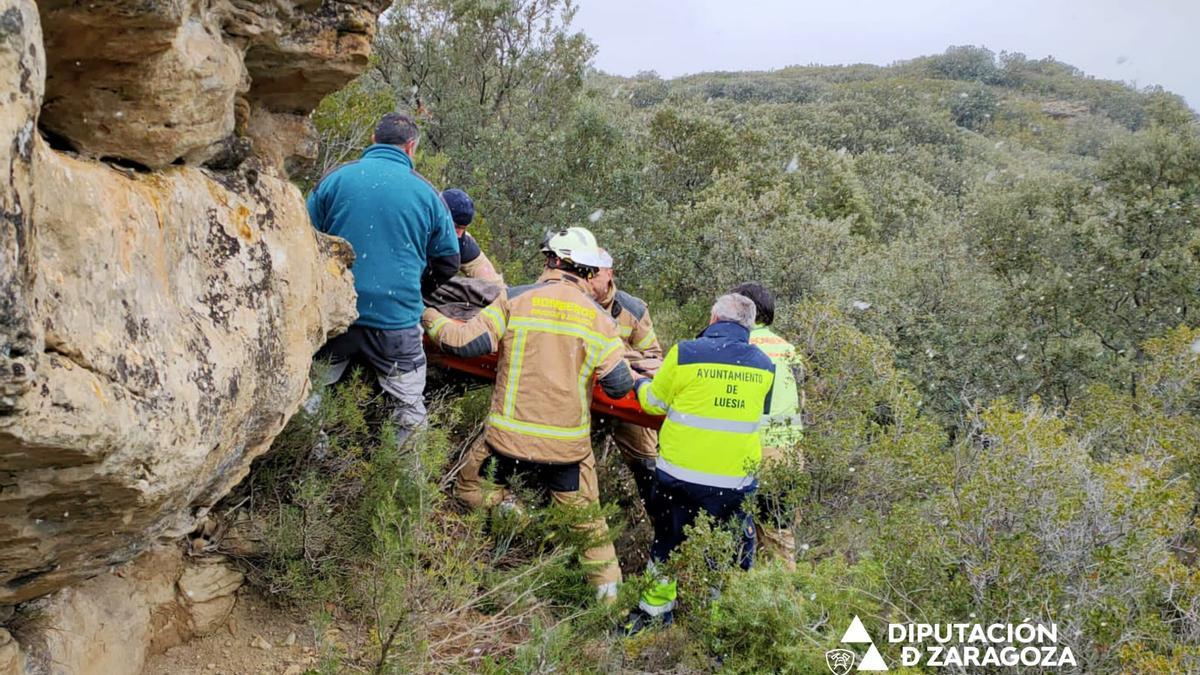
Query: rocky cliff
point(161, 289)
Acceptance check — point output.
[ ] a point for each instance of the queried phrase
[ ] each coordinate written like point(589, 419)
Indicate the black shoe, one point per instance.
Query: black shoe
point(639, 621)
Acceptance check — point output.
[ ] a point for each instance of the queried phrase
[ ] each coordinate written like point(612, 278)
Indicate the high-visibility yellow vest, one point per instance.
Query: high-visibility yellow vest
point(782, 426)
point(714, 391)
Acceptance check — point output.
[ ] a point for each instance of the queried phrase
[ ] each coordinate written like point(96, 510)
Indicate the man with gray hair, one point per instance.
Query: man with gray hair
point(714, 391)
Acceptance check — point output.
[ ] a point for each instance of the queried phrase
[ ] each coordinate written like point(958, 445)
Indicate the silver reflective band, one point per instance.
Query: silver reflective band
point(656, 610)
point(654, 400)
point(783, 420)
point(702, 478)
point(711, 423)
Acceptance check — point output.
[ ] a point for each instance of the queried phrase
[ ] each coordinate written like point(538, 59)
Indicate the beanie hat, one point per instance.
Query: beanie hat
point(462, 209)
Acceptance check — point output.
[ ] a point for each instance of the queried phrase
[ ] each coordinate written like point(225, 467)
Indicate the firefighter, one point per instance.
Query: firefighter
point(552, 338)
point(714, 391)
point(637, 444)
point(783, 429)
point(468, 482)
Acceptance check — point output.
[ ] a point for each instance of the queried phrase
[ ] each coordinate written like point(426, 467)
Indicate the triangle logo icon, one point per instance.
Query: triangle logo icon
point(873, 661)
point(857, 633)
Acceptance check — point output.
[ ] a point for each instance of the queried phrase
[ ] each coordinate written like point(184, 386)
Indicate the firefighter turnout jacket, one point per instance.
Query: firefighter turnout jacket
point(633, 322)
point(553, 338)
point(474, 262)
point(714, 391)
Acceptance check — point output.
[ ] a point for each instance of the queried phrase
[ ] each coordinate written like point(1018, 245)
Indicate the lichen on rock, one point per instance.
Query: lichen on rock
point(157, 322)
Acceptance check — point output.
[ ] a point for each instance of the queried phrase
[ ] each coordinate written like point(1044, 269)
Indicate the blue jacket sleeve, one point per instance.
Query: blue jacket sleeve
point(443, 256)
point(443, 242)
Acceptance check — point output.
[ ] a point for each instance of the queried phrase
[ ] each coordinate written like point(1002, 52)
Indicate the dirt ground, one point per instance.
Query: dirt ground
point(257, 638)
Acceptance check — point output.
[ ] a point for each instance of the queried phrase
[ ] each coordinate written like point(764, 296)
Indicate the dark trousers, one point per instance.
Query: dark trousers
point(398, 359)
point(541, 478)
point(676, 504)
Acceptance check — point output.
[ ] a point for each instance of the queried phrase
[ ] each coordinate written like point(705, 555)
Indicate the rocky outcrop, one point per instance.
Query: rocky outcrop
point(156, 326)
point(111, 624)
point(159, 83)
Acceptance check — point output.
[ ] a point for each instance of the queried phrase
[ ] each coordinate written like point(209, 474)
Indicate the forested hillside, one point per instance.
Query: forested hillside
point(990, 261)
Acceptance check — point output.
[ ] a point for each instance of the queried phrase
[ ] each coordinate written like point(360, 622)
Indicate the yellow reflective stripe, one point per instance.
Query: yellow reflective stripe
point(497, 320)
point(585, 372)
point(626, 331)
point(540, 430)
point(514, 372)
point(612, 347)
point(597, 340)
point(646, 341)
point(599, 347)
point(438, 324)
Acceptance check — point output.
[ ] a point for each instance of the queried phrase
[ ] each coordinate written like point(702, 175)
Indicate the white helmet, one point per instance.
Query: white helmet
point(576, 245)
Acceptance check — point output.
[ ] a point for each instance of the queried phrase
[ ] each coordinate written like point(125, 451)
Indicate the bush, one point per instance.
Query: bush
point(355, 523)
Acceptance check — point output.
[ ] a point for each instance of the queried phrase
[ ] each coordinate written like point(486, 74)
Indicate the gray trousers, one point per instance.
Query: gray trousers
point(398, 359)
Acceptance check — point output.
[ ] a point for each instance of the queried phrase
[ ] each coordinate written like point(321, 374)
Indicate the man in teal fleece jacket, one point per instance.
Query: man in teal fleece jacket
point(404, 244)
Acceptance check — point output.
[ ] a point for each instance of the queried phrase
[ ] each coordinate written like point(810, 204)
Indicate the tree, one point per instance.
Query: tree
point(464, 65)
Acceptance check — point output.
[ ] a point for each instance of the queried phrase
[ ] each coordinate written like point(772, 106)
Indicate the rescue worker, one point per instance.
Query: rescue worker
point(404, 246)
point(783, 429)
point(638, 445)
point(468, 482)
point(474, 262)
point(552, 338)
point(714, 391)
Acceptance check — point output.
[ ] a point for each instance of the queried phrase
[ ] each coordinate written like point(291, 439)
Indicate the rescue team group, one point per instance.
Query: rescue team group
point(729, 396)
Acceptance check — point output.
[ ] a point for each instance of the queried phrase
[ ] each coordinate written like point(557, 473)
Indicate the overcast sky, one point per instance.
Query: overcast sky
point(1145, 41)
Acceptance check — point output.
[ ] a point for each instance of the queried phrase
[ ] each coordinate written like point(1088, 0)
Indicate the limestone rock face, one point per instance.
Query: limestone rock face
point(156, 327)
point(160, 82)
point(111, 624)
point(22, 74)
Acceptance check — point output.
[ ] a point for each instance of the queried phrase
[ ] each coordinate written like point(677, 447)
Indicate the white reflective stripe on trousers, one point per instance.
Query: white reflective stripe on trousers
point(656, 610)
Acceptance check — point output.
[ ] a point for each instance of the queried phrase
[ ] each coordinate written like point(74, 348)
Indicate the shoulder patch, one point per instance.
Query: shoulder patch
point(633, 305)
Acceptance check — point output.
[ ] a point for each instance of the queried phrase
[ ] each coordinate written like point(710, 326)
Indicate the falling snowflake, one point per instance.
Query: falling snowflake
point(861, 305)
point(596, 215)
point(793, 165)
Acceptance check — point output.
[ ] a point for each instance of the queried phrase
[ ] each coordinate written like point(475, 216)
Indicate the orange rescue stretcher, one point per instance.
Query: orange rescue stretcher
point(626, 408)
